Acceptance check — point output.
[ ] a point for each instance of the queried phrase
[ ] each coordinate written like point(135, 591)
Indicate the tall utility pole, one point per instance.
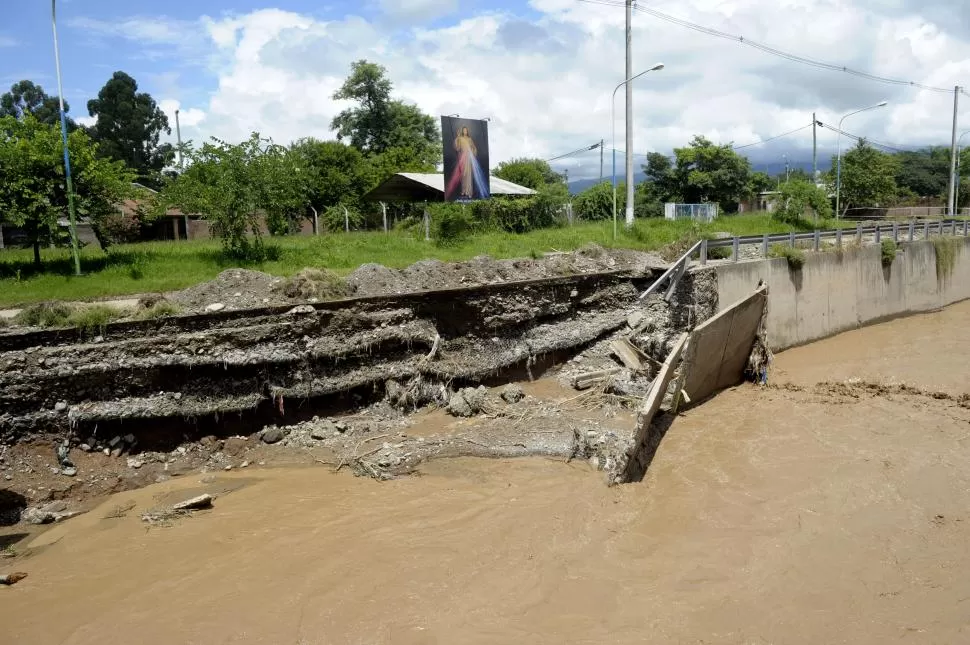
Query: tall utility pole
point(814, 149)
point(951, 204)
point(629, 114)
point(75, 249)
point(178, 137)
point(602, 142)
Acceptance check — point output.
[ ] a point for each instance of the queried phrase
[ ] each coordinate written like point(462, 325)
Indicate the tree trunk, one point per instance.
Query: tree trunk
point(37, 264)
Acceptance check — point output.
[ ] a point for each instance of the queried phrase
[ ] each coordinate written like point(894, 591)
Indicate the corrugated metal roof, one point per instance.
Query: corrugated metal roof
point(430, 187)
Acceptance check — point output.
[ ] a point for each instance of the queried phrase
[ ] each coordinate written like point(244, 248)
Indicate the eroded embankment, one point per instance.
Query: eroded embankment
point(237, 371)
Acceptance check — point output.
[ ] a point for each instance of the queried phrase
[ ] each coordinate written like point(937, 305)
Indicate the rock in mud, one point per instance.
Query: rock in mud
point(214, 307)
point(468, 401)
point(60, 406)
point(195, 503)
point(271, 434)
point(37, 516)
point(512, 393)
point(323, 430)
point(135, 463)
point(70, 471)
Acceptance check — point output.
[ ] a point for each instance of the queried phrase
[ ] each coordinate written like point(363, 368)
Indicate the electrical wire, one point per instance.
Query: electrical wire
point(795, 58)
point(785, 134)
point(574, 152)
point(878, 144)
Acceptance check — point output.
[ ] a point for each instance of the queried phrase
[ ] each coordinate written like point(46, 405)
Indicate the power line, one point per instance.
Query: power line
point(785, 134)
point(574, 152)
point(771, 50)
point(878, 144)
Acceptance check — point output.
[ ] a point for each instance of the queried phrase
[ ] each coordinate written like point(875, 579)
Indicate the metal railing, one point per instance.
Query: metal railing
point(672, 275)
point(896, 231)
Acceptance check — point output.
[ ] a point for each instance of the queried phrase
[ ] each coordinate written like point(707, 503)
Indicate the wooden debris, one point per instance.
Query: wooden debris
point(589, 379)
point(627, 354)
point(196, 503)
point(12, 578)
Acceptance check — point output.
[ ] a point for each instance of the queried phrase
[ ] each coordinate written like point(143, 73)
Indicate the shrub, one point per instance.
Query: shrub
point(799, 197)
point(946, 256)
point(322, 284)
point(159, 309)
point(889, 249)
point(93, 318)
point(335, 220)
point(44, 314)
point(516, 214)
point(450, 223)
point(795, 257)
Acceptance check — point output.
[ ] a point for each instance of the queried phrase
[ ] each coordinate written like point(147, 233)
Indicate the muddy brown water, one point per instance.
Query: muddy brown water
point(768, 516)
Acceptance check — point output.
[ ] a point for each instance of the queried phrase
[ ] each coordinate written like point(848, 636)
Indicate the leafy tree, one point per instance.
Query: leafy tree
point(378, 123)
point(230, 185)
point(925, 173)
point(129, 125)
point(761, 182)
point(25, 97)
point(800, 198)
point(335, 172)
point(531, 173)
point(868, 177)
point(33, 192)
point(702, 172)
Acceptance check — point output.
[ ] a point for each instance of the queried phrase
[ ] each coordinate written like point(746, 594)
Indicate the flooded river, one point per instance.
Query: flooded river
point(795, 515)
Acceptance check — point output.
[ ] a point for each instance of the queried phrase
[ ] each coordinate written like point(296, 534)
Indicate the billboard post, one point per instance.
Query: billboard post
point(465, 143)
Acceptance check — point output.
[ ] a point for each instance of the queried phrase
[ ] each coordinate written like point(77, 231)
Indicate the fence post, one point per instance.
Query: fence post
point(817, 240)
point(965, 228)
point(764, 245)
point(791, 239)
point(703, 252)
point(941, 228)
point(858, 232)
point(736, 248)
point(838, 237)
point(878, 234)
point(896, 232)
point(926, 230)
point(912, 231)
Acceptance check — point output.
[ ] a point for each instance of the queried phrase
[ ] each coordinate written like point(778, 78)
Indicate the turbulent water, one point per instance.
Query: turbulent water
point(796, 514)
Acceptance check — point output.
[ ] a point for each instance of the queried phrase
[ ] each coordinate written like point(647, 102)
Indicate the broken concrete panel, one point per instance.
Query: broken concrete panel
point(632, 465)
point(719, 348)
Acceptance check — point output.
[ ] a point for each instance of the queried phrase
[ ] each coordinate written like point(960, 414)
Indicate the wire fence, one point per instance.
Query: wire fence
point(902, 213)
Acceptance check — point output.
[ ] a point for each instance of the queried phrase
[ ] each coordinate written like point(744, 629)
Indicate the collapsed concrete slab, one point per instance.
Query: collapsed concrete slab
point(719, 349)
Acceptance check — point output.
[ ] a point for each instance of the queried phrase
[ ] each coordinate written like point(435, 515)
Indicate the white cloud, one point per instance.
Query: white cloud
point(546, 81)
point(188, 118)
point(7, 41)
point(86, 121)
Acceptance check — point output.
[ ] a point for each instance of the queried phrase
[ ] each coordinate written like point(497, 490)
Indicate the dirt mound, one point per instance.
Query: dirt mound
point(234, 288)
point(427, 275)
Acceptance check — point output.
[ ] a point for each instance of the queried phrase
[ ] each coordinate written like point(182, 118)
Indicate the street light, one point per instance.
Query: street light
point(838, 172)
point(956, 179)
point(655, 68)
point(67, 158)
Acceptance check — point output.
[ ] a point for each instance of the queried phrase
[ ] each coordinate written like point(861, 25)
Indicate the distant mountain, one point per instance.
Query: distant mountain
point(579, 185)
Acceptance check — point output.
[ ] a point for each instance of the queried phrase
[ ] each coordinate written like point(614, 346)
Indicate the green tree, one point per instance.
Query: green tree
point(925, 173)
point(231, 184)
point(868, 177)
point(379, 123)
point(531, 173)
point(761, 182)
point(33, 194)
point(336, 173)
point(129, 126)
point(701, 172)
point(25, 97)
point(800, 198)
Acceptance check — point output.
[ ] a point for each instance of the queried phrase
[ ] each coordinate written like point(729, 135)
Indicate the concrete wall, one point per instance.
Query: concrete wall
point(834, 292)
point(720, 347)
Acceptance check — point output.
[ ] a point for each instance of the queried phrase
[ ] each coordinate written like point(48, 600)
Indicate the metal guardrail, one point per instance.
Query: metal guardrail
point(894, 230)
point(675, 272)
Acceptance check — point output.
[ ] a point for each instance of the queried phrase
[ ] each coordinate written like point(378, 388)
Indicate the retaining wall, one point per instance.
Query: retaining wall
point(837, 291)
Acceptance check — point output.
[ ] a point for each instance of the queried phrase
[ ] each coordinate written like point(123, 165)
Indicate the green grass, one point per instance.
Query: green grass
point(167, 266)
point(889, 249)
point(795, 256)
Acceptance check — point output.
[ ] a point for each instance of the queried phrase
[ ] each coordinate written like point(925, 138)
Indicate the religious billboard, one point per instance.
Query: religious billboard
point(465, 143)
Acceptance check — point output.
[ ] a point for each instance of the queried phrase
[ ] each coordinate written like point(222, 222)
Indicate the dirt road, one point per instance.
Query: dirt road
point(803, 514)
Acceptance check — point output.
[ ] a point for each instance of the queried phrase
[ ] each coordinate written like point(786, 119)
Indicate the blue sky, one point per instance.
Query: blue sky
point(543, 70)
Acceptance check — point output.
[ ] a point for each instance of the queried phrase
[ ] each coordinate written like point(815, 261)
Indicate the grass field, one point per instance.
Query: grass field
point(166, 266)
